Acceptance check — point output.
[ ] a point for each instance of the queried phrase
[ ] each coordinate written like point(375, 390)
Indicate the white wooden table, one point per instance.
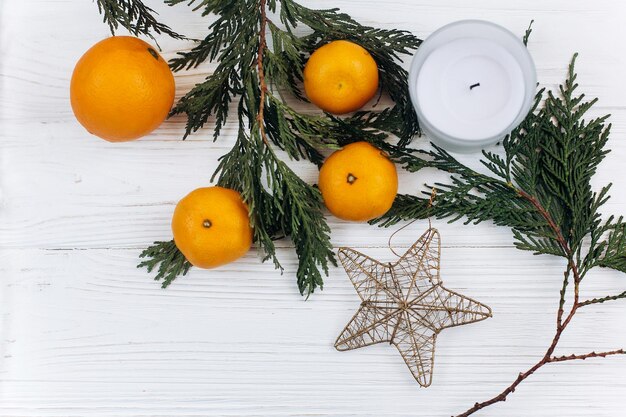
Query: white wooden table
point(85, 333)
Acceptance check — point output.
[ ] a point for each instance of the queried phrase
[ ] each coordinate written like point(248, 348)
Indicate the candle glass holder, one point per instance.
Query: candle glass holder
point(471, 82)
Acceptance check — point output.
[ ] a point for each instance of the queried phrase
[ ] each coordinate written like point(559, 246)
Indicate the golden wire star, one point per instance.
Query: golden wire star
point(405, 304)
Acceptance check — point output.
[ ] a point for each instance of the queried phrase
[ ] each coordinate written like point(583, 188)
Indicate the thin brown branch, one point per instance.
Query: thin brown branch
point(262, 82)
point(567, 251)
point(522, 376)
point(602, 299)
point(562, 293)
point(502, 396)
point(561, 323)
point(587, 356)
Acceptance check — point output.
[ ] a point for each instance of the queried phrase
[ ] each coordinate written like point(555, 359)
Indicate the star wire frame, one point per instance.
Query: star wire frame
point(405, 304)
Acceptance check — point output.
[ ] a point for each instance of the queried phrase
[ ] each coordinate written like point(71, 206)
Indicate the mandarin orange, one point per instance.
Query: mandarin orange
point(121, 89)
point(211, 227)
point(340, 77)
point(358, 182)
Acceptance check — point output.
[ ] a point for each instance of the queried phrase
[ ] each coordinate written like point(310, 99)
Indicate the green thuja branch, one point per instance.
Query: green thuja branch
point(611, 252)
point(259, 60)
point(168, 260)
point(135, 16)
point(528, 32)
point(539, 185)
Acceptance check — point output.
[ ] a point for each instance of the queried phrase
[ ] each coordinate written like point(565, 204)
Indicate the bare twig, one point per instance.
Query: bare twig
point(568, 254)
point(522, 376)
point(561, 323)
point(587, 356)
point(602, 299)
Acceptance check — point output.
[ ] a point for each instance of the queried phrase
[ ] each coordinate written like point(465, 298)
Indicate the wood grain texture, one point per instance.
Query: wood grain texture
point(85, 333)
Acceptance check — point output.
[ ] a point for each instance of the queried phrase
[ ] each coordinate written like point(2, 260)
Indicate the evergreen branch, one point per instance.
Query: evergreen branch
point(135, 17)
point(613, 248)
point(477, 198)
point(260, 117)
point(304, 222)
point(558, 236)
point(286, 60)
point(169, 260)
point(238, 26)
point(300, 135)
point(252, 70)
point(241, 170)
point(405, 207)
point(290, 208)
point(528, 33)
point(230, 26)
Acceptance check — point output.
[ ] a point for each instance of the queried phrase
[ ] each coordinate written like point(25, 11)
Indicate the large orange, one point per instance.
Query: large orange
point(211, 227)
point(340, 77)
point(121, 89)
point(358, 182)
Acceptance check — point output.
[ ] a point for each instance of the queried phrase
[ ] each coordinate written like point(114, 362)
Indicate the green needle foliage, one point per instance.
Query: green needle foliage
point(135, 16)
point(168, 260)
point(258, 61)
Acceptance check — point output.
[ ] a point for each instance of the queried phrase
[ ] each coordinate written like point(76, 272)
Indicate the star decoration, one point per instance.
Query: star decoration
point(405, 304)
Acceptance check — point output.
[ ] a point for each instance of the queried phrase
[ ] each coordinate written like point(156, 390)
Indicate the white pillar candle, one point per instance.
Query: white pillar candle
point(471, 83)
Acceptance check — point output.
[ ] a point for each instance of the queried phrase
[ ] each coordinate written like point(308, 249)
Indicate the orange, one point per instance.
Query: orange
point(121, 89)
point(340, 77)
point(211, 227)
point(358, 182)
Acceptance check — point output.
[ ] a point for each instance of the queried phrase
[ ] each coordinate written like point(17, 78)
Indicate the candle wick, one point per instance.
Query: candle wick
point(474, 85)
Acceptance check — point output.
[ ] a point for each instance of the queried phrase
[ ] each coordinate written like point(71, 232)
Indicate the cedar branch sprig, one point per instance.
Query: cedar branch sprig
point(135, 16)
point(540, 187)
point(168, 260)
point(258, 60)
